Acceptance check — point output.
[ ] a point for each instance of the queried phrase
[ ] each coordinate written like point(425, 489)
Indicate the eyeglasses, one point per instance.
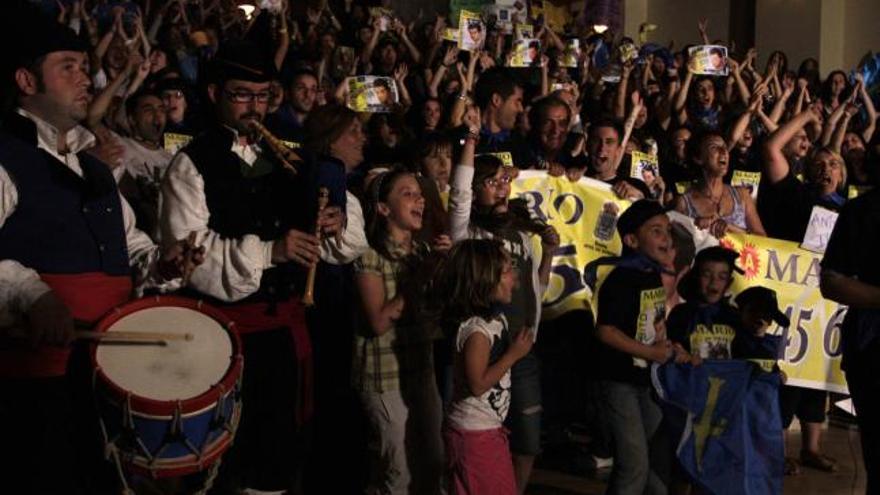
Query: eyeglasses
point(497, 181)
point(247, 96)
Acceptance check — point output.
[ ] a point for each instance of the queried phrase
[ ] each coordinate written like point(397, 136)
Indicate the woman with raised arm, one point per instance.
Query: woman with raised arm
point(786, 204)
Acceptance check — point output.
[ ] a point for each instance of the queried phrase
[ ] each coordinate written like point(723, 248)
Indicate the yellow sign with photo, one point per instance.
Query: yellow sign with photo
point(505, 156)
point(172, 142)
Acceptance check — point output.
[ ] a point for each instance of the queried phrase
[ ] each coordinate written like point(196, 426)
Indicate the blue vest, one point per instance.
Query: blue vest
point(62, 223)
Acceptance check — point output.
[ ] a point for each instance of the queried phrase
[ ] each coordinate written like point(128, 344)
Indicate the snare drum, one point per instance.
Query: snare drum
point(168, 410)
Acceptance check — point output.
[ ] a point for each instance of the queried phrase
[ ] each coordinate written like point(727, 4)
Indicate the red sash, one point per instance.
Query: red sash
point(88, 296)
point(251, 318)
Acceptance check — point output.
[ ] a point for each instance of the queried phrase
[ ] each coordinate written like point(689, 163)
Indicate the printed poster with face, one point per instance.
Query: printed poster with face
point(708, 60)
point(652, 319)
point(372, 94)
point(572, 53)
point(172, 142)
point(471, 31)
point(384, 15)
point(751, 180)
point(526, 53)
point(500, 16)
point(628, 52)
point(645, 167)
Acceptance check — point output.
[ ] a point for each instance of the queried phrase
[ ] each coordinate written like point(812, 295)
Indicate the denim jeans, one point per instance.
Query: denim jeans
point(631, 417)
point(524, 416)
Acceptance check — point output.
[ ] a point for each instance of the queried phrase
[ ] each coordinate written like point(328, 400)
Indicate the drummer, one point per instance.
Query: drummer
point(257, 222)
point(69, 252)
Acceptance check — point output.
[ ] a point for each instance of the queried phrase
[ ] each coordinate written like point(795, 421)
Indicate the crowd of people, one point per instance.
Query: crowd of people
point(174, 147)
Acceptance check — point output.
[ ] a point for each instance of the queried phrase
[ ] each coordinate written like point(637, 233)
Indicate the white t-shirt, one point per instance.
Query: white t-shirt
point(140, 177)
point(142, 163)
point(486, 412)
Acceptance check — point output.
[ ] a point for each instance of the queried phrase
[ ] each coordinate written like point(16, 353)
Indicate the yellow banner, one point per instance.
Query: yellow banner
point(812, 341)
point(585, 215)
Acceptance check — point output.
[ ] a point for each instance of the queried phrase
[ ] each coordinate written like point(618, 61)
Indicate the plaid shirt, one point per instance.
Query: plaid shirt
point(381, 360)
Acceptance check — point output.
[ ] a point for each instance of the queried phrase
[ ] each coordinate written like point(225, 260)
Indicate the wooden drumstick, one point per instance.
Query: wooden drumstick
point(133, 336)
point(309, 295)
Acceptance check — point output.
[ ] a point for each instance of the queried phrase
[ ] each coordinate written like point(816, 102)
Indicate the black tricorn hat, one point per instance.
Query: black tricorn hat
point(242, 60)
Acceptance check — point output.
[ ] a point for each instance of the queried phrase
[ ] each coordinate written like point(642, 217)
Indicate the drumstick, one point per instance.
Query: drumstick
point(90, 335)
point(309, 296)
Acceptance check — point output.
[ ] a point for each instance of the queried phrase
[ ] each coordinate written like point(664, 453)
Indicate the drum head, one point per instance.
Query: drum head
point(180, 370)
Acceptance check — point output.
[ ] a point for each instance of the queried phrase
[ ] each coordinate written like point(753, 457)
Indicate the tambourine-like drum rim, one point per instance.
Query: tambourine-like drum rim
point(159, 408)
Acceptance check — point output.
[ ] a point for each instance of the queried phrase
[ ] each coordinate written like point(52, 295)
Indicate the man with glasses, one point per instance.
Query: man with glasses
point(302, 92)
point(256, 220)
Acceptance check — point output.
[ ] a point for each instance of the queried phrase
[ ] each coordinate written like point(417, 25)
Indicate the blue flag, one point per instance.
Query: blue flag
point(727, 413)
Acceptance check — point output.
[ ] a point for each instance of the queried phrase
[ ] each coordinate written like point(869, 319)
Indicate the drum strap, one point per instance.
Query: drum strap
point(259, 317)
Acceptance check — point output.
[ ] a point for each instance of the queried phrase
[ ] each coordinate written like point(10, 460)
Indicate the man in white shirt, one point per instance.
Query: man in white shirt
point(69, 251)
point(257, 221)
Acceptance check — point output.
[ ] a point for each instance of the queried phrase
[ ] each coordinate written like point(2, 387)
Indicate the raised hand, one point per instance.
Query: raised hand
point(313, 16)
point(401, 72)
point(473, 120)
point(702, 25)
point(751, 56)
point(757, 98)
point(735, 67)
point(637, 102)
point(851, 110)
point(450, 56)
point(549, 240)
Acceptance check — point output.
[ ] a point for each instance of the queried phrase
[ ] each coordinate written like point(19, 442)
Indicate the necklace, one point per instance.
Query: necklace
point(713, 200)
